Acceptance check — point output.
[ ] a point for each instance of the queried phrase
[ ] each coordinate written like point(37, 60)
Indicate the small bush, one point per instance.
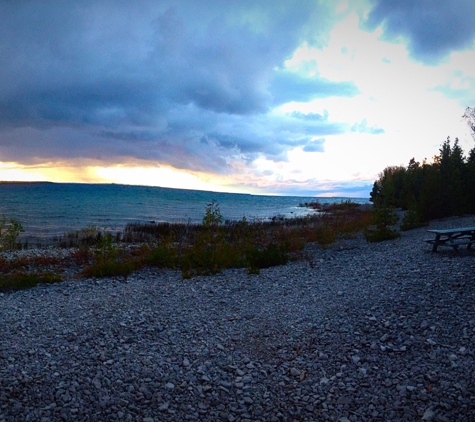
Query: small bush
point(383, 219)
point(22, 280)
point(105, 249)
point(411, 220)
point(324, 234)
point(378, 235)
point(108, 260)
point(163, 256)
point(270, 256)
point(209, 259)
point(9, 233)
point(213, 215)
point(110, 268)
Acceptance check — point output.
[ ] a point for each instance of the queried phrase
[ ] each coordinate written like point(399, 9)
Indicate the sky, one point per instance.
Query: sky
point(281, 97)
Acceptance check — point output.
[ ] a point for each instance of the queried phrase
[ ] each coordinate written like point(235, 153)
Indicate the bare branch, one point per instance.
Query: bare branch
point(469, 116)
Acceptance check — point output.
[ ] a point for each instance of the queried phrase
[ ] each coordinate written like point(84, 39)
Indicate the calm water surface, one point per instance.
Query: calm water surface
point(50, 209)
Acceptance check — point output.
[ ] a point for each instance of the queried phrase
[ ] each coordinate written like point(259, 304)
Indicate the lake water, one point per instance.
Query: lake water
point(50, 209)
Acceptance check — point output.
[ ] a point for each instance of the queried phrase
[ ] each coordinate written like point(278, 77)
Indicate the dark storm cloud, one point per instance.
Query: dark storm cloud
point(153, 79)
point(181, 53)
point(434, 28)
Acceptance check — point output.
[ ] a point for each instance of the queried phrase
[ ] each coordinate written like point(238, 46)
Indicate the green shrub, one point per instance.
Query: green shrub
point(163, 256)
point(9, 233)
point(209, 259)
point(411, 220)
point(108, 260)
point(325, 234)
point(111, 268)
point(22, 280)
point(383, 219)
point(271, 256)
point(213, 215)
point(105, 249)
point(378, 235)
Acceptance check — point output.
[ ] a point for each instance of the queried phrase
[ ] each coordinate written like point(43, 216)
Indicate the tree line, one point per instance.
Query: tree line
point(443, 188)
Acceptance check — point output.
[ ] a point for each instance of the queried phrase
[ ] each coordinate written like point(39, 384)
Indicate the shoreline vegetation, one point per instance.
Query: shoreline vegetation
point(194, 249)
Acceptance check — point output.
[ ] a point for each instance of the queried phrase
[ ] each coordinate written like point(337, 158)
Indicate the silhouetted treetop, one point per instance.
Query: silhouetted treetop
point(443, 188)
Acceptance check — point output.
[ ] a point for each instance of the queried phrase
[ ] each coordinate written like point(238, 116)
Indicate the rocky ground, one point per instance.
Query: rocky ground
point(356, 332)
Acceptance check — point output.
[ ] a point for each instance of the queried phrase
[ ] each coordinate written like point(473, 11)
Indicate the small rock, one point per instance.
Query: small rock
point(294, 372)
point(248, 400)
point(428, 415)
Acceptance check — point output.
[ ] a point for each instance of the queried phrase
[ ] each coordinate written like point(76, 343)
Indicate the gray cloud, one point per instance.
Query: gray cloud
point(434, 28)
point(181, 82)
point(95, 57)
point(188, 138)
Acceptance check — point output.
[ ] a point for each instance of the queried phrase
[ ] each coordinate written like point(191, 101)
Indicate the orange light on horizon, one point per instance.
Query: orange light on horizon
point(120, 174)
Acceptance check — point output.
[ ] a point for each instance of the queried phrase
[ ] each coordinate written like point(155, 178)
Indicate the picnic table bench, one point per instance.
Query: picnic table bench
point(452, 237)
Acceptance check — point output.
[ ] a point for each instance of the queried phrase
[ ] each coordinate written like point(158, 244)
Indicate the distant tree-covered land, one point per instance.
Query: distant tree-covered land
point(443, 188)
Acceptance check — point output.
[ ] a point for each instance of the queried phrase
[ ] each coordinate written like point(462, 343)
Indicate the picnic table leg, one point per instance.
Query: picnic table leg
point(436, 242)
point(469, 246)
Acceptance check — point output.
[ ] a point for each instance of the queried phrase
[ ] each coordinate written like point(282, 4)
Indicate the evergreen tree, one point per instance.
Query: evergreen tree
point(441, 189)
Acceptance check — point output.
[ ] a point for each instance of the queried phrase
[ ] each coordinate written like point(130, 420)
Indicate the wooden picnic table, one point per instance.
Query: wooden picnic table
point(452, 237)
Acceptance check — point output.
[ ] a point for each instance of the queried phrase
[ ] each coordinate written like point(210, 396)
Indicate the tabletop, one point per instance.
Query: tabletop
point(454, 230)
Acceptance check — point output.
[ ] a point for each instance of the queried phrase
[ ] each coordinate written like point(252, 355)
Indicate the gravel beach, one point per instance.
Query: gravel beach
point(356, 332)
